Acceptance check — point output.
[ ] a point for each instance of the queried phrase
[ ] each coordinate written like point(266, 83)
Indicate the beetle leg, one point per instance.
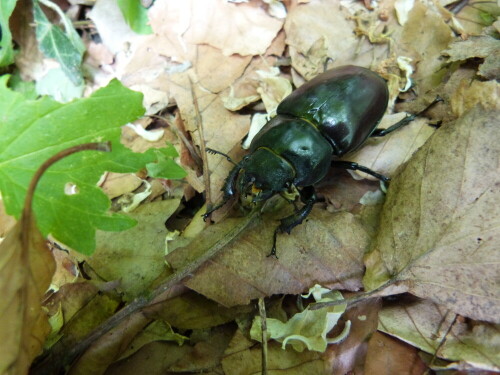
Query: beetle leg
point(215, 152)
point(308, 196)
point(403, 122)
point(229, 190)
point(356, 167)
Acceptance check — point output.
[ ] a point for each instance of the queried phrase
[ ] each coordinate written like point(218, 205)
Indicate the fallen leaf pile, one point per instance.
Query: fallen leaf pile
point(396, 279)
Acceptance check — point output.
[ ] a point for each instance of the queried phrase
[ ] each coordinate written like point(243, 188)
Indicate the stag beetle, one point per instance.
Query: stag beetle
point(332, 114)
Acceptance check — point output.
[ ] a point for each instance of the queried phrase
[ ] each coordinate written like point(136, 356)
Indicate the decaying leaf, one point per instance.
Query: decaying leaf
point(308, 328)
point(135, 257)
point(439, 226)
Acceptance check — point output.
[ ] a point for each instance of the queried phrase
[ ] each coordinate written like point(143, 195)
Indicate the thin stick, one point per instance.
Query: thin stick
point(263, 325)
point(199, 125)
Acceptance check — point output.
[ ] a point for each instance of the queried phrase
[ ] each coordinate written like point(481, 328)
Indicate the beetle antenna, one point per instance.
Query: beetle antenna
point(215, 152)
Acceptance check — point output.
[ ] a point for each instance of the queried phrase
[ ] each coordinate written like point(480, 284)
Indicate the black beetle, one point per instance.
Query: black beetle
point(332, 114)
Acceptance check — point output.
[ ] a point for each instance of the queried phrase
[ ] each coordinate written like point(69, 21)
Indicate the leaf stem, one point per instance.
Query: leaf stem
point(28, 201)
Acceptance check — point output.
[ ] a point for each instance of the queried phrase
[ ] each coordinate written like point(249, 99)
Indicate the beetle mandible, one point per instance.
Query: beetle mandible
point(332, 114)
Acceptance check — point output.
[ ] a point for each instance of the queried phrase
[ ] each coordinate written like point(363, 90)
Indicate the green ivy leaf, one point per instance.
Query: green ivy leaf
point(33, 130)
point(54, 43)
point(6, 48)
point(135, 15)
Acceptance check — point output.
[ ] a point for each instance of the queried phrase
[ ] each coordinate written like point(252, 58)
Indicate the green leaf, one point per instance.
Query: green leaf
point(58, 85)
point(166, 166)
point(33, 130)
point(135, 15)
point(27, 88)
point(6, 47)
point(66, 48)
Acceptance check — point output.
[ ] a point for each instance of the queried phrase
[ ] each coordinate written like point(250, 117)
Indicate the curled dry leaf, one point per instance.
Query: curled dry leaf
point(439, 225)
point(25, 277)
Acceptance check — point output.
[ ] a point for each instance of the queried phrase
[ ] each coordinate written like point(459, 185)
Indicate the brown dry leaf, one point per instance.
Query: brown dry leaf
point(203, 356)
point(349, 355)
point(117, 184)
point(439, 225)
point(243, 357)
point(109, 347)
point(326, 250)
point(389, 356)
point(434, 329)
point(468, 94)
point(192, 311)
point(329, 35)
point(243, 29)
point(25, 277)
point(154, 358)
point(483, 46)
point(425, 47)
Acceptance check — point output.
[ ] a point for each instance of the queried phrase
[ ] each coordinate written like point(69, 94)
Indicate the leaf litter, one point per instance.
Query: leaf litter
point(194, 59)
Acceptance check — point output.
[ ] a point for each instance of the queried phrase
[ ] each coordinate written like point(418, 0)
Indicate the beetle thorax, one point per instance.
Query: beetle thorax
point(263, 174)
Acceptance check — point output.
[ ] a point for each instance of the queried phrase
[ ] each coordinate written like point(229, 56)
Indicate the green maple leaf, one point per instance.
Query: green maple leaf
point(31, 131)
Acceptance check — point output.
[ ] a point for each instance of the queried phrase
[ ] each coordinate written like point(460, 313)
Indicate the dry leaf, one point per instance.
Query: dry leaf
point(109, 347)
point(135, 256)
point(389, 356)
point(243, 357)
point(425, 47)
point(349, 355)
point(434, 329)
point(326, 250)
point(25, 277)
point(439, 226)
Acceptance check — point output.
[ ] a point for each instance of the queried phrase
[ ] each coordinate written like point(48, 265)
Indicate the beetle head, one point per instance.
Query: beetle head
point(263, 174)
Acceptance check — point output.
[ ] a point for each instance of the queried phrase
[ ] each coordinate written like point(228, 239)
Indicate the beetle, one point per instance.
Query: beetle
point(332, 114)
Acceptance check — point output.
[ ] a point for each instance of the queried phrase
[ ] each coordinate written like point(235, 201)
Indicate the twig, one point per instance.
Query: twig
point(199, 125)
point(263, 326)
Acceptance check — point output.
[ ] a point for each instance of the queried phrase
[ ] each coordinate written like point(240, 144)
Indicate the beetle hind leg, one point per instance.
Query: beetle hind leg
point(308, 197)
point(405, 121)
point(356, 167)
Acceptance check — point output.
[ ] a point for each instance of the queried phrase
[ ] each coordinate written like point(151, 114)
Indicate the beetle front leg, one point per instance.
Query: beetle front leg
point(356, 167)
point(308, 196)
point(229, 190)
